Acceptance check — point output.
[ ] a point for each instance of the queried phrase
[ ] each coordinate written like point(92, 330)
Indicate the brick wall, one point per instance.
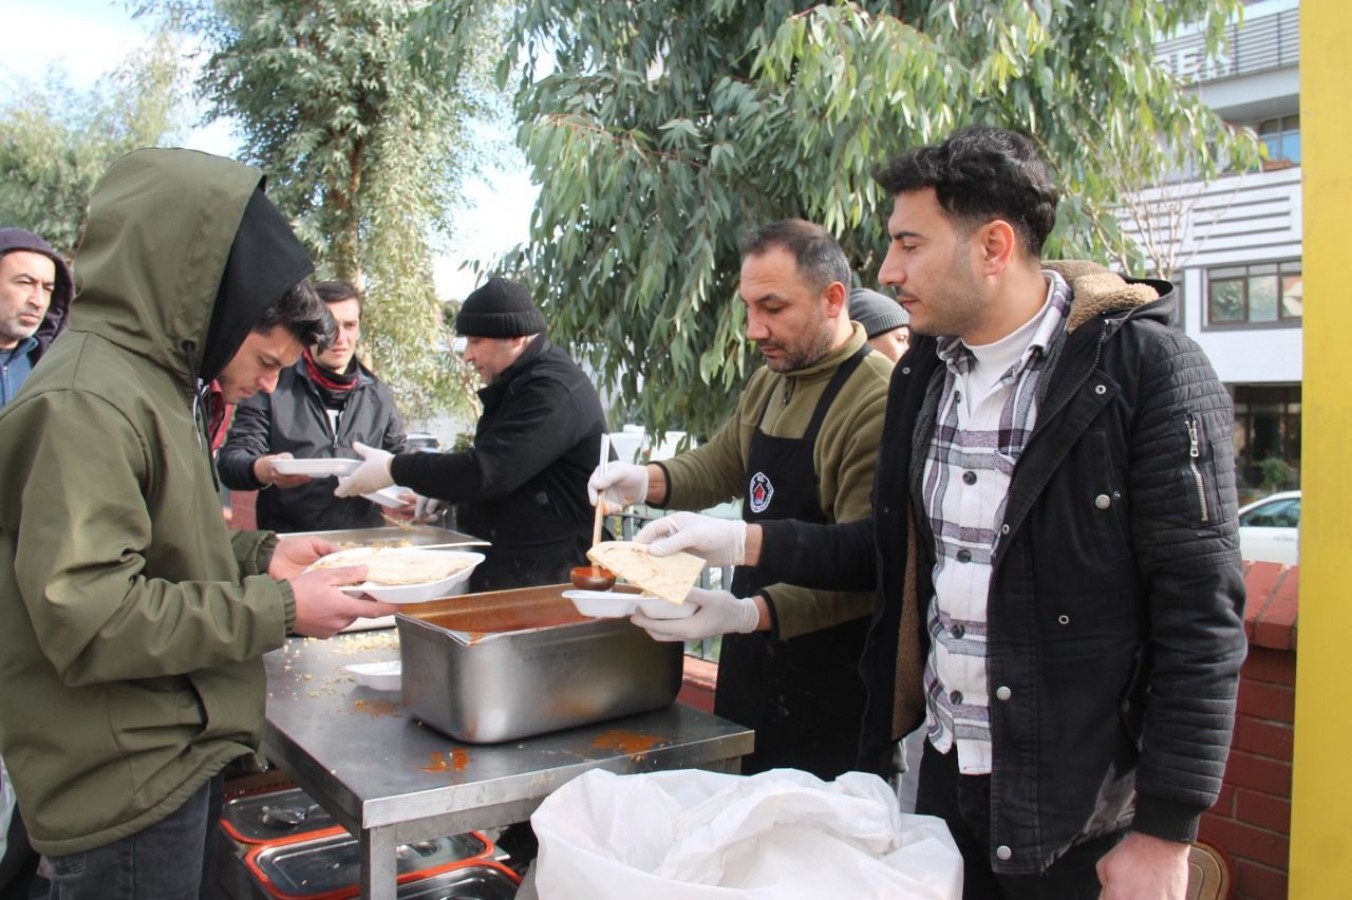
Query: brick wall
point(1251, 822)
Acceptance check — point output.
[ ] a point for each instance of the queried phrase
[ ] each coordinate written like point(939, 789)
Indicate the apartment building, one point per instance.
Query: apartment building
point(1235, 244)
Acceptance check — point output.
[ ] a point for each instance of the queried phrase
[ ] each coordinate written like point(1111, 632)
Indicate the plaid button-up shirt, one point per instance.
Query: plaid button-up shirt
point(977, 442)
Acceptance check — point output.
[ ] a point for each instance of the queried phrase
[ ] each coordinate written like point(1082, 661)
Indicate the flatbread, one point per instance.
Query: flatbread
point(393, 566)
point(667, 577)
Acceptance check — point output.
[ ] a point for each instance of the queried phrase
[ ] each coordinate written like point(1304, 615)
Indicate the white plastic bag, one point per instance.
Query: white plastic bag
point(783, 834)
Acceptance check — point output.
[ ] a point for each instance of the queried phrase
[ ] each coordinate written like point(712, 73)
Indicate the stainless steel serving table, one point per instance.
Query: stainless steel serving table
point(389, 779)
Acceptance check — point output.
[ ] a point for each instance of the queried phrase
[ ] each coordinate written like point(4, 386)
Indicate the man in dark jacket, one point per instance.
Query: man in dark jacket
point(321, 406)
point(35, 293)
point(523, 485)
point(1054, 544)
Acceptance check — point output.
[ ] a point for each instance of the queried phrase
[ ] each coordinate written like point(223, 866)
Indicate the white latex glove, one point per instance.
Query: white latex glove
point(429, 509)
point(371, 476)
point(719, 612)
point(621, 485)
point(720, 542)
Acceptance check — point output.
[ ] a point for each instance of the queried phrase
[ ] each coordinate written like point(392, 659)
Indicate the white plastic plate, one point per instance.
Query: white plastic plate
point(393, 497)
point(314, 467)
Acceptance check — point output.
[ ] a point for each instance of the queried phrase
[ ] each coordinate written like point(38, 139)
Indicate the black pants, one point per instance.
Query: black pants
point(964, 802)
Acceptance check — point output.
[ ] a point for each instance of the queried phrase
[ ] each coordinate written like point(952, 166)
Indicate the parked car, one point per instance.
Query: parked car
point(422, 440)
point(1269, 529)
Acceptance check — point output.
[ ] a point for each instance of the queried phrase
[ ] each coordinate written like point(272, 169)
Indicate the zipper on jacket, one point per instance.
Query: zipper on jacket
point(1194, 453)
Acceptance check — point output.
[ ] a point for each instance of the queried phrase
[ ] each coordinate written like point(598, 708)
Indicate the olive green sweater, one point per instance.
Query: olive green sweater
point(844, 456)
point(134, 622)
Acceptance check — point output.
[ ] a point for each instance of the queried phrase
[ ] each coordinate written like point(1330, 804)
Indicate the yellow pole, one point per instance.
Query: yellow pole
point(1321, 814)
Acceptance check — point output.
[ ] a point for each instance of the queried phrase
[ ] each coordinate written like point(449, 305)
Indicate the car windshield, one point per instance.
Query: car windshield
point(1277, 514)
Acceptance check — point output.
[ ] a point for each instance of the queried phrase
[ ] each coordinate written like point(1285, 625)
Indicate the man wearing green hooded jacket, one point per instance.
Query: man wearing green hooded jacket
point(135, 622)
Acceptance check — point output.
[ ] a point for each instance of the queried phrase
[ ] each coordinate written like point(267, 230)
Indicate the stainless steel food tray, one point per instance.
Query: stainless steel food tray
point(491, 881)
point(331, 864)
point(262, 818)
point(499, 666)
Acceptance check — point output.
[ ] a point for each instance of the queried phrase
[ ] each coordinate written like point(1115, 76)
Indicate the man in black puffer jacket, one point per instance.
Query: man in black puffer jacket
point(1054, 544)
point(523, 485)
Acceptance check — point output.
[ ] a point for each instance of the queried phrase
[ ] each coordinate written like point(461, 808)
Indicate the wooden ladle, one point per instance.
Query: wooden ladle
point(592, 578)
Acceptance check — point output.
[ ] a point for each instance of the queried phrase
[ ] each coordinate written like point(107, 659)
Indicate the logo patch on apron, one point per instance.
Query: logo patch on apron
point(760, 492)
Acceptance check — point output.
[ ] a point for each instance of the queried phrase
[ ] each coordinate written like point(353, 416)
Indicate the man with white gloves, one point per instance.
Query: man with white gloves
point(801, 445)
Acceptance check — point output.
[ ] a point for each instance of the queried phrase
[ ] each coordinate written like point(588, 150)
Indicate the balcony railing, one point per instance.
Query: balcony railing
point(1267, 42)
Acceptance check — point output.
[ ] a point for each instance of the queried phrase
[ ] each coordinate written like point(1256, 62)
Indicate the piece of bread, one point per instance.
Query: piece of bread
point(396, 565)
point(667, 577)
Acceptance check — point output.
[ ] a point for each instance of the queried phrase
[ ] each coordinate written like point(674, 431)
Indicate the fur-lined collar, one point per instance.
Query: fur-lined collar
point(1096, 290)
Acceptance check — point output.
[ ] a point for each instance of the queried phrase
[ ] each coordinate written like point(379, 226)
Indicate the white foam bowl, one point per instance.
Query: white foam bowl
point(379, 676)
point(619, 604)
point(407, 593)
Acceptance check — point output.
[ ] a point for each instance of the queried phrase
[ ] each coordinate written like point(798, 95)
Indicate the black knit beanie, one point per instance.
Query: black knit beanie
point(499, 309)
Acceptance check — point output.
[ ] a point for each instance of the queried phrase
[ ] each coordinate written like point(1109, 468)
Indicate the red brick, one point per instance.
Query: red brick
point(1271, 666)
point(1288, 591)
point(1273, 702)
point(1209, 825)
point(1271, 739)
point(1268, 776)
point(1275, 625)
point(1246, 842)
point(1260, 580)
point(1256, 882)
point(1263, 810)
point(1225, 802)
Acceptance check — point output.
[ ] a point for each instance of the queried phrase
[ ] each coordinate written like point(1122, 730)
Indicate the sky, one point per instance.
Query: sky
point(89, 38)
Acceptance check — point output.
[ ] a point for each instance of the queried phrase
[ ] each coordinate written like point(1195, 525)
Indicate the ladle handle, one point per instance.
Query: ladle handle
point(600, 498)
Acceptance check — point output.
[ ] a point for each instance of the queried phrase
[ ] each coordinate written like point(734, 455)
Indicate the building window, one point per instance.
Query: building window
point(1260, 294)
point(1281, 137)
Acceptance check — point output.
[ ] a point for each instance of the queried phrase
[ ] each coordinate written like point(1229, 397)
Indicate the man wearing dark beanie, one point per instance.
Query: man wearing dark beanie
point(884, 320)
point(523, 484)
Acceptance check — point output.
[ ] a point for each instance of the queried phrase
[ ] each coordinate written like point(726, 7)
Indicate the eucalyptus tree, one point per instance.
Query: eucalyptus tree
point(365, 146)
point(56, 140)
point(666, 128)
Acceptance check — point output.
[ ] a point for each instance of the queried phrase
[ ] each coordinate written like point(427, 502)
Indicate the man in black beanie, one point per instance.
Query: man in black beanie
point(523, 485)
point(884, 320)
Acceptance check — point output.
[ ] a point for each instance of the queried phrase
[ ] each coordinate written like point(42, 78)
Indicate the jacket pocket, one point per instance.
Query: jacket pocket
point(1131, 705)
point(1197, 474)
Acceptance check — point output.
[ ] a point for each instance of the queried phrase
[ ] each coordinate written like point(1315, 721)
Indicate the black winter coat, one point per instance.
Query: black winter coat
point(292, 419)
point(1115, 606)
point(523, 485)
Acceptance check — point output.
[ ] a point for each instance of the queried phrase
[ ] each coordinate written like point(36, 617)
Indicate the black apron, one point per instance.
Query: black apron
point(803, 696)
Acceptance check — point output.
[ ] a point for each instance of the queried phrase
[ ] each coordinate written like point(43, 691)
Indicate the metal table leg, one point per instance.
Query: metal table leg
point(379, 866)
